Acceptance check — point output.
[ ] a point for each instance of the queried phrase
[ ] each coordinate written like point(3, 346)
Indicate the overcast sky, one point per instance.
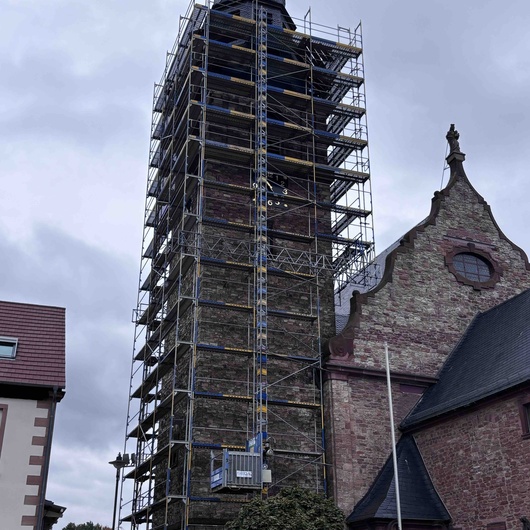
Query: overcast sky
point(76, 82)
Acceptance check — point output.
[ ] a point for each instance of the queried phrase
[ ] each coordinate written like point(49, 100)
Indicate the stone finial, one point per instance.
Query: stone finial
point(452, 137)
point(455, 155)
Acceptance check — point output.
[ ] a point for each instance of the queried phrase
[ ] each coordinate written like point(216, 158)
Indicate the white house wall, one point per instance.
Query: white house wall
point(21, 461)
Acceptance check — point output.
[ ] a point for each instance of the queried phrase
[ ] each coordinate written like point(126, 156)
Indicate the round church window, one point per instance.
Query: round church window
point(472, 267)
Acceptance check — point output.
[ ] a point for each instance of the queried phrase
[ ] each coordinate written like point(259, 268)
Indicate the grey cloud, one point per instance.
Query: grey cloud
point(97, 289)
point(95, 128)
point(51, 100)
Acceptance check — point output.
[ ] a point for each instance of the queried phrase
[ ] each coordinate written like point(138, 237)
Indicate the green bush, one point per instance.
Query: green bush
point(291, 509)
point(85, 526)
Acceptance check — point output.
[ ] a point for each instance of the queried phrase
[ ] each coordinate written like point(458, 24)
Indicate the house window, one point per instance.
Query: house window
point(472, 267)
point(8, 347)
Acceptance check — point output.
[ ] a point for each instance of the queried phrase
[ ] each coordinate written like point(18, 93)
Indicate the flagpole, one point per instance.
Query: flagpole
point(394, 454)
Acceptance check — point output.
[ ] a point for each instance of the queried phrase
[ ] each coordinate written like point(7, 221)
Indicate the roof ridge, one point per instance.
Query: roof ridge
point(32, 305)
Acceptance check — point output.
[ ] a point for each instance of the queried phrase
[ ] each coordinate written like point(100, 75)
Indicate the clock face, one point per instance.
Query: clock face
point(277, 189)
point(277, 185)
point(280, 180)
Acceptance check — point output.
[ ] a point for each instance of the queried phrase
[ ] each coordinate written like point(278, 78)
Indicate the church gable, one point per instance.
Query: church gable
point(444, 270)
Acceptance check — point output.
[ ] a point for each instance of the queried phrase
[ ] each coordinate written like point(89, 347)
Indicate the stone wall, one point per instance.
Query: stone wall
point(487, 481)
point(221, 368)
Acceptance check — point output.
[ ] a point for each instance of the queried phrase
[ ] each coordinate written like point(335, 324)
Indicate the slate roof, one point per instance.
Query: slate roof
point(419, 499)
point(40, 356)
point(492, 356)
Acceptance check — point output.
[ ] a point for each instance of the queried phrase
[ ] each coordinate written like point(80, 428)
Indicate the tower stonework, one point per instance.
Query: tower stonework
point(455, 263)
point(258, 210)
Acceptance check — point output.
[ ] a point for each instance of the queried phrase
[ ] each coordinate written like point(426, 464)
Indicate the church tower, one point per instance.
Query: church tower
point(258, 210)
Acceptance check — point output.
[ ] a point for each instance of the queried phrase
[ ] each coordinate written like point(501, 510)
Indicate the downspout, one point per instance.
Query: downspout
point(47, 454)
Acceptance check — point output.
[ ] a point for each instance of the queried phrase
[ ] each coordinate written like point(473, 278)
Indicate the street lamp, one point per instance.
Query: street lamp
point(119, 464)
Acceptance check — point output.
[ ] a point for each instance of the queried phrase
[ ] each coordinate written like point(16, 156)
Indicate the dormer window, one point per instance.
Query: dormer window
point(8, 347)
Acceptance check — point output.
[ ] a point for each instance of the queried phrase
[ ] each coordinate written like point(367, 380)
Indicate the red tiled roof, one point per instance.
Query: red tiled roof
point(40, 357)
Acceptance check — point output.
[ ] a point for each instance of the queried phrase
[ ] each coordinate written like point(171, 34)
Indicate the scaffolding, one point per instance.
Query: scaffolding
point(258, 209)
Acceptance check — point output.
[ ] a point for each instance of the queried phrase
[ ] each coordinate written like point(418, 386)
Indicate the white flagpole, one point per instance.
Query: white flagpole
point(394, 454)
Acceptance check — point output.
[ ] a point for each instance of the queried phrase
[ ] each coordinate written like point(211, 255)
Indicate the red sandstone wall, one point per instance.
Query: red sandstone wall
point(424, 310)
point(361, 440)
point(480, 466)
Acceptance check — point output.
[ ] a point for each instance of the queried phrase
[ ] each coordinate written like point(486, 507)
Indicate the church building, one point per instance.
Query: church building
point(453, 308)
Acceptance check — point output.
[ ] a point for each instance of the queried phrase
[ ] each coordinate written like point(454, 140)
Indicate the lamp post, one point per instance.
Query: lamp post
point(119, 464)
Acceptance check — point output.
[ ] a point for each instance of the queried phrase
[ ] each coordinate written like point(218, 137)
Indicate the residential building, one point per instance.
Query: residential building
point(32, 382)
